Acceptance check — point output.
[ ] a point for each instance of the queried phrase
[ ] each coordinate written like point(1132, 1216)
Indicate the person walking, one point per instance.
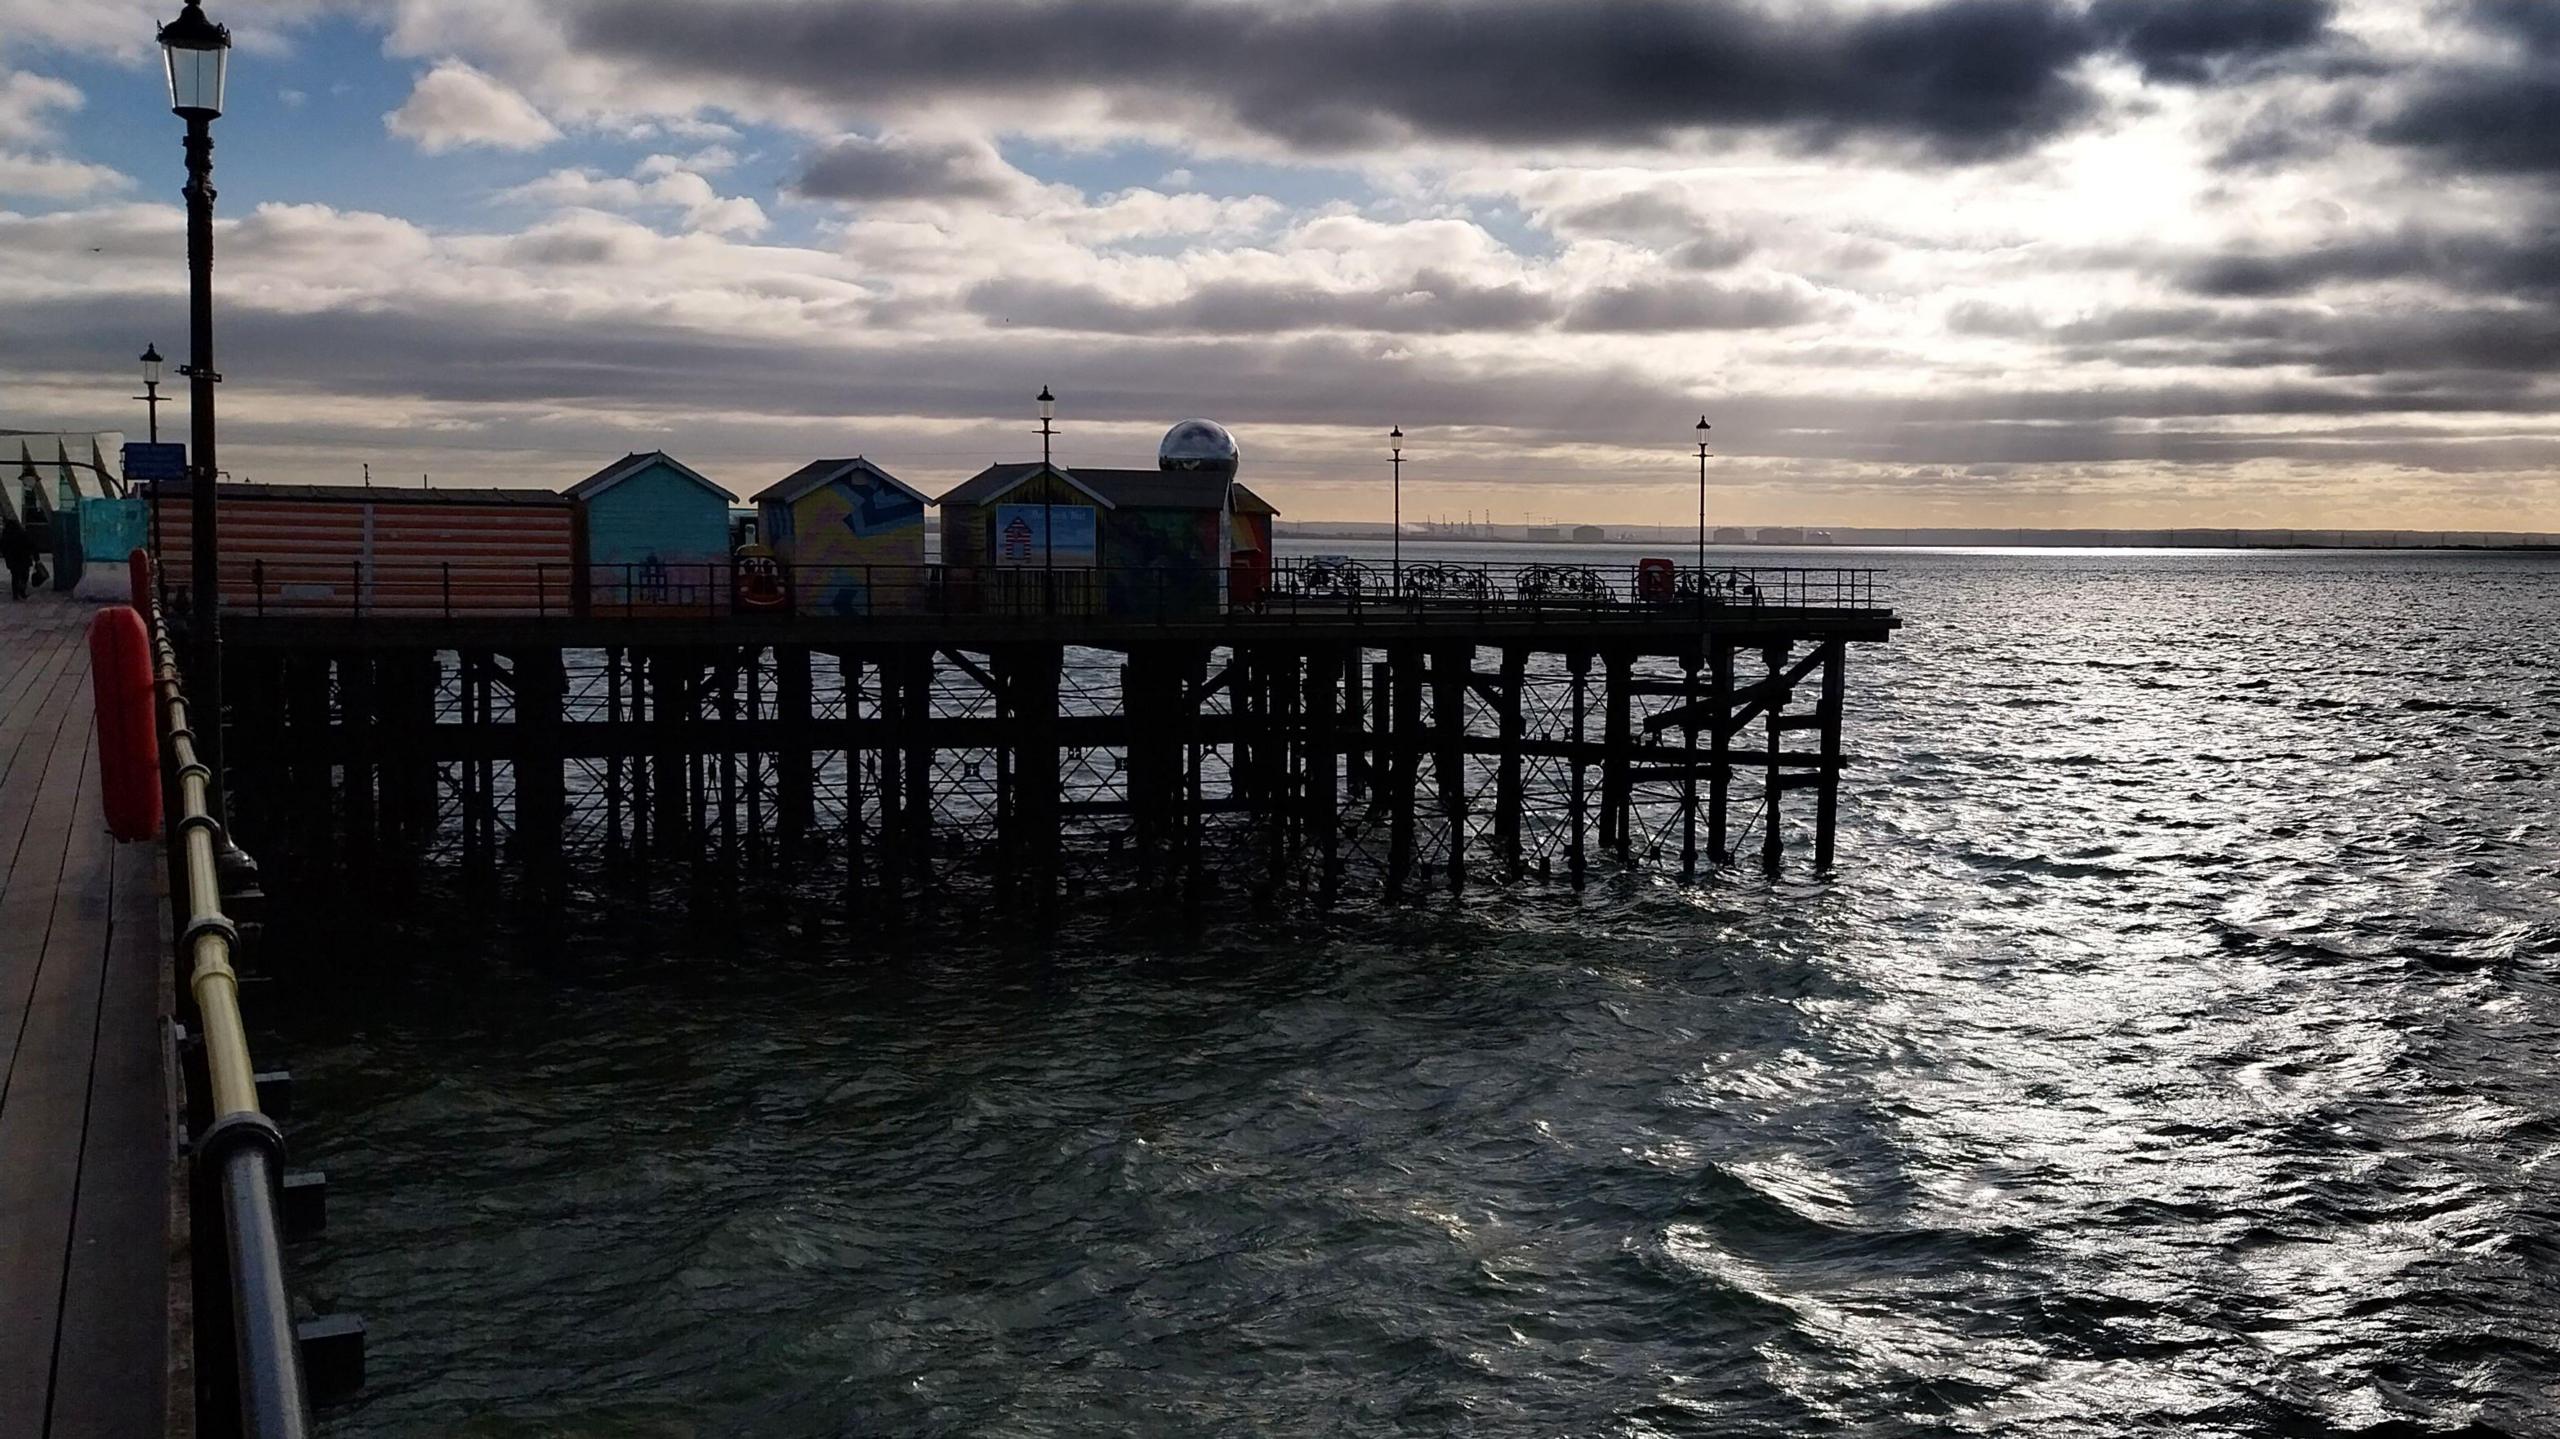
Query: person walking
point(18, 551)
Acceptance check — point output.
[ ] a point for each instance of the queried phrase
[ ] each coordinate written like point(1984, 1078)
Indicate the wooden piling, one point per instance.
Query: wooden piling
point(1451, 668)
point(1508, 798)
point(1827, 792)
point(1719, 750)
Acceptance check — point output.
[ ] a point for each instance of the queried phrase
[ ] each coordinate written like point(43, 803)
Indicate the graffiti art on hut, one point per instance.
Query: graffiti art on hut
point(852, 537)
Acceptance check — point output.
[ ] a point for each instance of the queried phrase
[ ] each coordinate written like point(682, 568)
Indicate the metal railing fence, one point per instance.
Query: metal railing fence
point(239, 1155)
point(1295, 587)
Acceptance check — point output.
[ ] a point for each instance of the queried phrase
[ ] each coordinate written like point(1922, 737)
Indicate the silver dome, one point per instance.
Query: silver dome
point(1197, 445)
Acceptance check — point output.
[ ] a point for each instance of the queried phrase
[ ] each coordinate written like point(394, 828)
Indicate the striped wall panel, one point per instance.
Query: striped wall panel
point(294, 551)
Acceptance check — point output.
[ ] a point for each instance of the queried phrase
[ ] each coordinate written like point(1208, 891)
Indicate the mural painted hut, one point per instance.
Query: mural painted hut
point(852, 536)
point(656, 533)
point(1139, 543)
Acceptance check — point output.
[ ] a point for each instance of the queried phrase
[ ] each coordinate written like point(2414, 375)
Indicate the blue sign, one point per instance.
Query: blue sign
point(1036, 536)
point(155, 462)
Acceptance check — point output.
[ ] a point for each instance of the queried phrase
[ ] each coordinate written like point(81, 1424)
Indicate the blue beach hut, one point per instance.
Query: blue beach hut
point(656, 535)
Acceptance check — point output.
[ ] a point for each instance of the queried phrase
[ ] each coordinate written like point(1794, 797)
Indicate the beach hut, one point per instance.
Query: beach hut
point(656, 534)
point(852, 537)
point(360, 550)
point(1140, 543)
point(1250, 548)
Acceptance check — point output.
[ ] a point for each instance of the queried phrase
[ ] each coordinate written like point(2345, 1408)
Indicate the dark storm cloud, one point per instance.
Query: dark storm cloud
point(890, 168)
point(1664, 307)
point(2465, 343)
point(1655, 217)
point(1431, 304)
point(2522, 264)
point(2501, 116)
point(1961, 78)
point(498, 354)
point(2187, 41)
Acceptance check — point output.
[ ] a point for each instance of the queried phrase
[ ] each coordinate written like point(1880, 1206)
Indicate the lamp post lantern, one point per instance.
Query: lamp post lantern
point(1703, 427)
point(198, 55)
point(1395, 532)
point(1048, 511)
point(151, 387)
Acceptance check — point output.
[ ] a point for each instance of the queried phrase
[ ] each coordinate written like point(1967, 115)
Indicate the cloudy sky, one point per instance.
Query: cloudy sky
point(2103, 262)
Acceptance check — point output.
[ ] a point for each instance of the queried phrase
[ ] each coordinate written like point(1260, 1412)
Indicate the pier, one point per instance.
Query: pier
point(1308, 731)
point(145, 1202)
point(1329, 733)
point(91, 1253)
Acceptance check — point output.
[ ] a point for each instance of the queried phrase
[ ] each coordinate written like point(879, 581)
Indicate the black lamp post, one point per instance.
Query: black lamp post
point(151, 387)
point(198, 53)
point(1395, 534)
point(1048, 509)
point(1703, 427)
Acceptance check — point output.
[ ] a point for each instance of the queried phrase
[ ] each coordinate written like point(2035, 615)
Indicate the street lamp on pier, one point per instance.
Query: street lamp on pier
point(1703, 427)
point(1048, 512)
point(1395, 533)
point(151, 387)
point(198, 55)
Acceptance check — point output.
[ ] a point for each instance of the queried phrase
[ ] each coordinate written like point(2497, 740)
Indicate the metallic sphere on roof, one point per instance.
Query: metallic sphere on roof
point(1197, 445)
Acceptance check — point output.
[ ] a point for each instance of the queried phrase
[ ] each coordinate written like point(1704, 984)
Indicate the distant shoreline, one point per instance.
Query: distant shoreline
point(2034, 540)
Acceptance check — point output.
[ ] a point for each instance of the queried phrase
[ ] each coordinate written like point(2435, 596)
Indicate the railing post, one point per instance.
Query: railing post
point(448, 591)
point(258, 582)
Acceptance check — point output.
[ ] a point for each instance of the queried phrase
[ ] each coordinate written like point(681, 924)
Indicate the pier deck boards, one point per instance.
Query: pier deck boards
point(86, 1150)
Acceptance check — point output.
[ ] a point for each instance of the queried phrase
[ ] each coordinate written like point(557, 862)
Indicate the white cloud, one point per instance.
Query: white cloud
point(655, 186)
point(24, 101)
point(28, 104)
point(710, 160)
point(55, 179)
point(455, 105)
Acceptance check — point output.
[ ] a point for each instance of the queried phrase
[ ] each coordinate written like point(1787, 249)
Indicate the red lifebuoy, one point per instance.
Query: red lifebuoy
point(128, 736)
point(139, 564)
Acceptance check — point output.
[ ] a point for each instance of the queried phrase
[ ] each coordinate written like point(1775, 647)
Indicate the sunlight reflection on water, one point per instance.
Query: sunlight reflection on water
point(2172, 1055)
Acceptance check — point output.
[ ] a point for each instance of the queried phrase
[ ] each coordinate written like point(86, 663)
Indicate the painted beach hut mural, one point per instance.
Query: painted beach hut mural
point(1024, 539)
point(851, 536)
point(1140, 543)
point(657, 536)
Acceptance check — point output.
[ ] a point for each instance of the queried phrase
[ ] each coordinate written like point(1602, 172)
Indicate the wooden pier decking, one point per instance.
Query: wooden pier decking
point(87, 1117)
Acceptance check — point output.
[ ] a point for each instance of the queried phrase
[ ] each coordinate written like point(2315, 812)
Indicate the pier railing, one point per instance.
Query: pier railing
point(1334, 589)
point(239, 1155)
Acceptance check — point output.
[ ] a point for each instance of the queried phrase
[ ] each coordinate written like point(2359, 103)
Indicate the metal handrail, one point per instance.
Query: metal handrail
point(1161, 593)
point(242, 1151)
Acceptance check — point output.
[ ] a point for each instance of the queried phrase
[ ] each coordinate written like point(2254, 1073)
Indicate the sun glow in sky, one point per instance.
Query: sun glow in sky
point(1962, 262)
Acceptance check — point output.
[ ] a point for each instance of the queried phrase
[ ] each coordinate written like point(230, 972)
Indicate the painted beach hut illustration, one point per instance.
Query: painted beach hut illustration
point(852, 537)
point(1138, 543)
point(656, 533)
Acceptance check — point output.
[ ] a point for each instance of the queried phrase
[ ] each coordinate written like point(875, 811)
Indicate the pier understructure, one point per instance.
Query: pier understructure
point(1393, 746)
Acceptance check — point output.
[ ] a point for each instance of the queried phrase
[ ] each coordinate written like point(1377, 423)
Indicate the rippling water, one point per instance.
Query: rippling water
point(2176, 1052)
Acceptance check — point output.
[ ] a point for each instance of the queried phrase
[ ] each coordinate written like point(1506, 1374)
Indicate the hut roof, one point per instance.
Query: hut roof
point(1116, 489)
point(995, 481)
point(634, 463)
point(1249, 503)
point(818, 473)
point(374, 494)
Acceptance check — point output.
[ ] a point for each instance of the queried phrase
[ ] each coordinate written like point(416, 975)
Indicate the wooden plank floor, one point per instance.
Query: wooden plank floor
point(87, 1151)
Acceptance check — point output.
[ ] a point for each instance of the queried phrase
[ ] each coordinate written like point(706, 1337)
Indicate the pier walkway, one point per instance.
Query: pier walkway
point(87, 1123)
